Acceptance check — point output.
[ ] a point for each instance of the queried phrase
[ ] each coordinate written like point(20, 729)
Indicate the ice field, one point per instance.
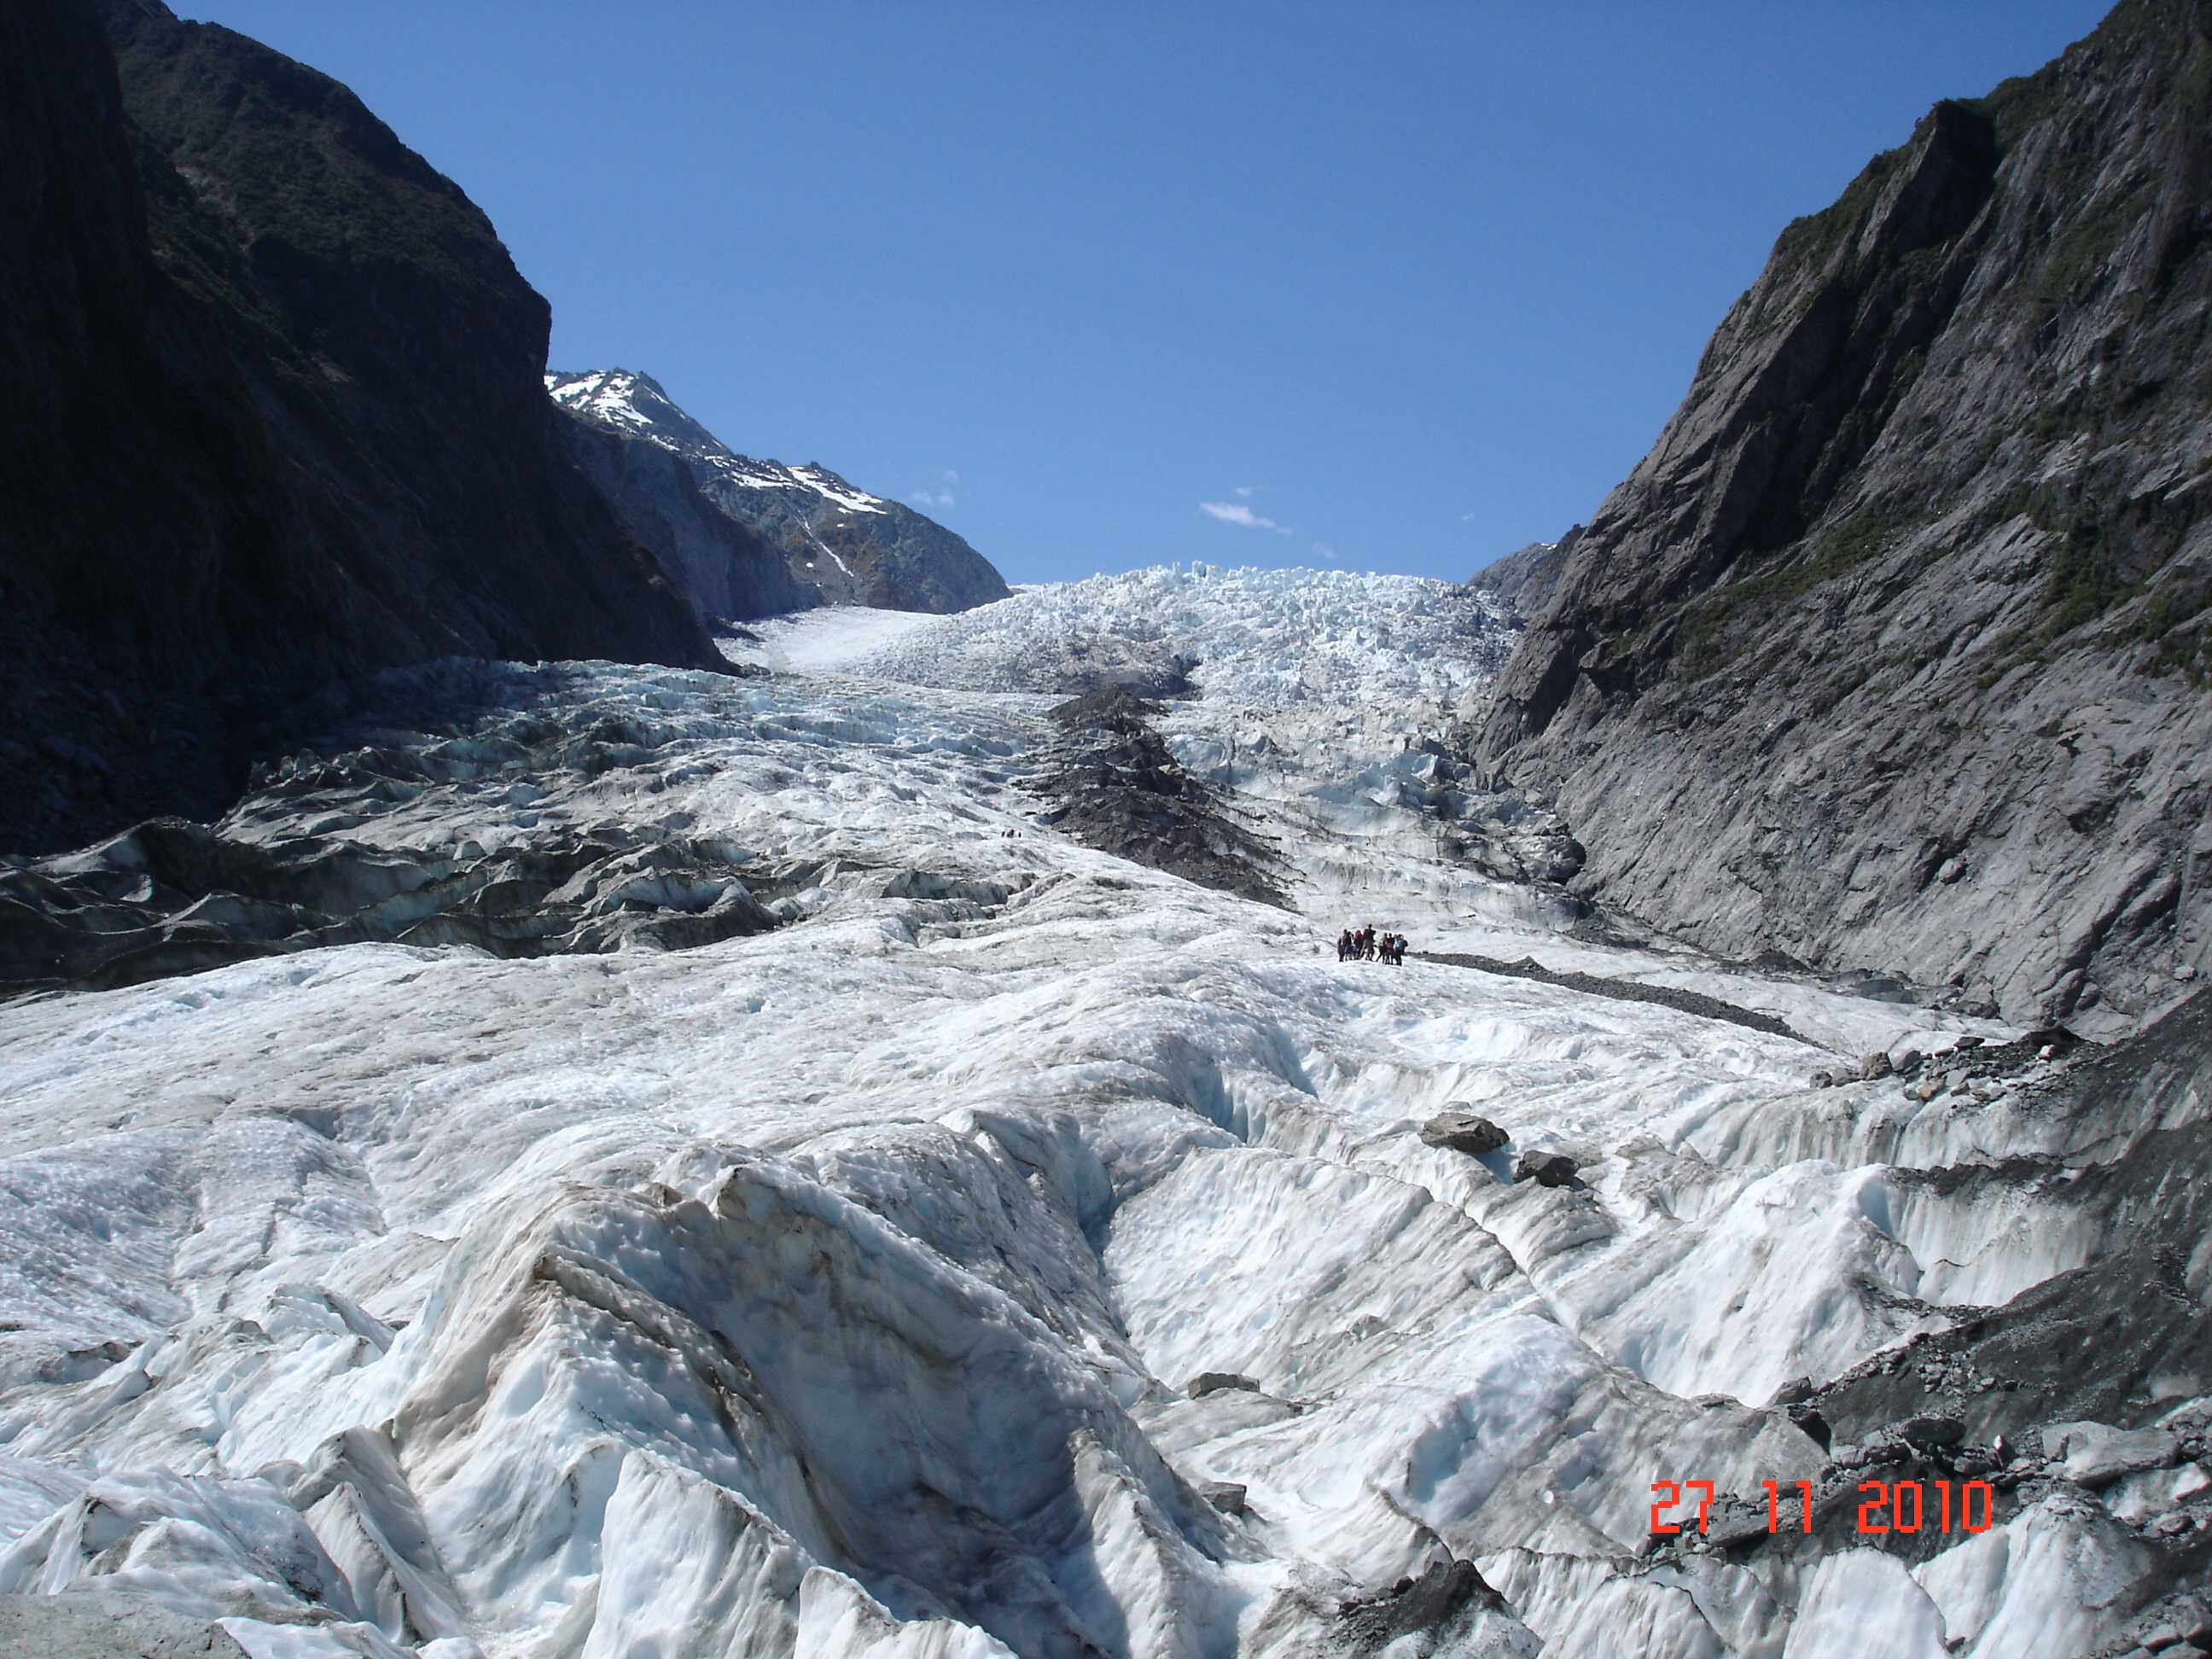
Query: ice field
point(837, 1290)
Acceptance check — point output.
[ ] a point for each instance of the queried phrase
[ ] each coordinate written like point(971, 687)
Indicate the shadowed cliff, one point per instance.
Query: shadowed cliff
point(275, 416)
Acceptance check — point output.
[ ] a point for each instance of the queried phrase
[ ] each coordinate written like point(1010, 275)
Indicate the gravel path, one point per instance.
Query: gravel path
point(1621, 990)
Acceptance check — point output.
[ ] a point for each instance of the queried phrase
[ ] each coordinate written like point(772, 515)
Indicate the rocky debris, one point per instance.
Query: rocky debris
point(2179, 1625)
point(1812, 1424)
point(1497, 834)
point(1457, 1130)
point(2094, 1455)
point(1811, 681)
point(1487, 825)
point(1875, 1066)
point(2062, 1394)
point(1621, 990)
point(1226, 1496)
point(101, 1622)
point(1116, 786)
point(173, 896)
point(1445, 1601)
point(1545, 1168)
point(758, 537)
point(2183, 1618)
point(1206, 1383)
point(1931, 1433)
point(1983, 1071)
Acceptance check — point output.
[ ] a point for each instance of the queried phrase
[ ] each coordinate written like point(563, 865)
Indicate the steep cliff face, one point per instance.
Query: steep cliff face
point(1525, 580)
point(839, 545)
point(1891, 654)
point(275, 416)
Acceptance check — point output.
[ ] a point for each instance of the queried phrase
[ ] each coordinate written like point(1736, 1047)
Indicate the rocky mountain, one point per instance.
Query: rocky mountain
point(1892, 652)
point(1524, 579)
point(677, 485)
point(723, 565)
point(273, 415)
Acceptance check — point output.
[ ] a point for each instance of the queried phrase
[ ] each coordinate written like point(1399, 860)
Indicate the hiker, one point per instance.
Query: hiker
point(1344, 946)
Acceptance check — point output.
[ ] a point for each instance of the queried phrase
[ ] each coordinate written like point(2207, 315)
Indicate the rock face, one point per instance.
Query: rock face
point(837, 545)
point(1892, 649)
point(1524, 581)
point(275, 414)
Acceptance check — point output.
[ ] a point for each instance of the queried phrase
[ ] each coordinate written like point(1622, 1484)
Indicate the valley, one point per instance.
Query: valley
point(840, 1284)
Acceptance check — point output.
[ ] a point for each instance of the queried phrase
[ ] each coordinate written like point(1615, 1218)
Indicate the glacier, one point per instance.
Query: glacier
point(842, 1288)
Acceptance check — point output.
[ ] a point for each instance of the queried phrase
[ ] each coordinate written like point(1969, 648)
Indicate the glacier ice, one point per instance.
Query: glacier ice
point(836, 1289)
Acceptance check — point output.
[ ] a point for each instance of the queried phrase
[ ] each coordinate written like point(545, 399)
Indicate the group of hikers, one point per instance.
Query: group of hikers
point(1365, 945)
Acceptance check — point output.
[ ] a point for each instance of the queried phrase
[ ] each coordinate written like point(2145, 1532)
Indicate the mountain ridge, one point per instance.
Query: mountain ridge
point(837, 544)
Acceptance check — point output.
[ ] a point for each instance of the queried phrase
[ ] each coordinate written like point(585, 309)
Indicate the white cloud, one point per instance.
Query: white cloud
point(1237, 514)
point(1325, 553)
point(943, 493)
point(1245, 492)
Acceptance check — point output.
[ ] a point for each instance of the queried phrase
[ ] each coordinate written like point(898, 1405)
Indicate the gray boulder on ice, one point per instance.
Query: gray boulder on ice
point(89, 1622)
point(1545, 1168)
point(1206, 1383)
point(1463, 1132)
point(2096, 1455)
point(1227, 1496)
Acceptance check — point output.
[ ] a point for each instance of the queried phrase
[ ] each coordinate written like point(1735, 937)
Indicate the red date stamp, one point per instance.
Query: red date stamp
point(1896, 1506)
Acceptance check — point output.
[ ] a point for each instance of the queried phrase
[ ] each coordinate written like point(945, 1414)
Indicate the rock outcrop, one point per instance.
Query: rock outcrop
point(1524, 581)
point(1892, 651)
point(1114, 784)
point(275, 415)
point(837, 545)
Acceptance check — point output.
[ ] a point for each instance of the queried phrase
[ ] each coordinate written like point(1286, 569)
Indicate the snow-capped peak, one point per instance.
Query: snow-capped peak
point(634, 404)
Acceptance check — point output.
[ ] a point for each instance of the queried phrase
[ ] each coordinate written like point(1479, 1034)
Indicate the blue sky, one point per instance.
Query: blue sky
point(1397, 287)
